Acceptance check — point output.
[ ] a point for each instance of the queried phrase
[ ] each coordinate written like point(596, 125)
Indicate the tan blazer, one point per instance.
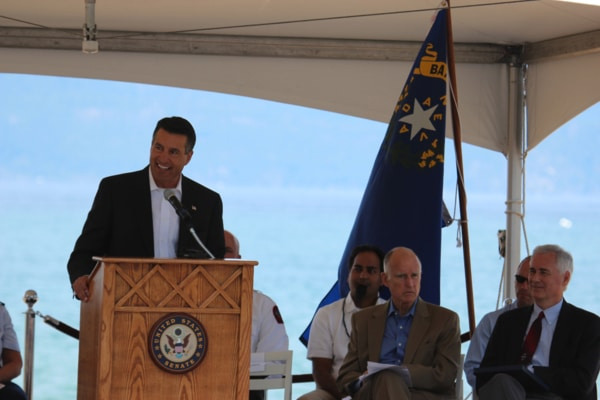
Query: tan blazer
point(432, 351)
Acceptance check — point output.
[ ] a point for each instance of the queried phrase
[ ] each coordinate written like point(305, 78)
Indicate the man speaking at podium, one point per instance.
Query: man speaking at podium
point(155, 212)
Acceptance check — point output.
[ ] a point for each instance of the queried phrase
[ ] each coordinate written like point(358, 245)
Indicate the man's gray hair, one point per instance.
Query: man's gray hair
point(564, 260)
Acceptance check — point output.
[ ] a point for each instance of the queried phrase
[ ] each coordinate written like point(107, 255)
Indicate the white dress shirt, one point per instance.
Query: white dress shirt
point(165, 221)
point(330, 332)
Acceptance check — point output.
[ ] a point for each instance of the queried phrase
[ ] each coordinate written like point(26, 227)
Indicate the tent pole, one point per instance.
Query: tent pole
point(514, 195)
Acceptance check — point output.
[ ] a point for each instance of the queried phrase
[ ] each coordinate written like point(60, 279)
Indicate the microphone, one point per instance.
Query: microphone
point(182, 212)
point(186, 218)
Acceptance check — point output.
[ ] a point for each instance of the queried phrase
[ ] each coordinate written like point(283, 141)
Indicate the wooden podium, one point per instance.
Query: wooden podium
point(133, 303)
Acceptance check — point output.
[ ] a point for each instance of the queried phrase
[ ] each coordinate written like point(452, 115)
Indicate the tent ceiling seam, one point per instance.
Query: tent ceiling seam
point(258, 46)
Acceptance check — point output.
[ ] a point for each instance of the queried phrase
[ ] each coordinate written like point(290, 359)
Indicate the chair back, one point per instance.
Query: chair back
point(272, 370)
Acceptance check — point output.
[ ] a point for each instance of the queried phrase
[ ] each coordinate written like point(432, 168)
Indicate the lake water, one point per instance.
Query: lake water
point(297, 236)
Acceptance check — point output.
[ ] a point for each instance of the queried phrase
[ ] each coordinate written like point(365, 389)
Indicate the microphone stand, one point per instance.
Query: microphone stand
point(186, 218)
point(193, 232)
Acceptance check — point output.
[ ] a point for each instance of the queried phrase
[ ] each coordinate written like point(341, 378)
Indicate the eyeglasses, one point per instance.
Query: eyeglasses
point(520, 278)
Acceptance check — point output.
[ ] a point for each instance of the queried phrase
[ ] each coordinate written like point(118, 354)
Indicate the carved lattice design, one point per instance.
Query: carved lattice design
point(194, 287)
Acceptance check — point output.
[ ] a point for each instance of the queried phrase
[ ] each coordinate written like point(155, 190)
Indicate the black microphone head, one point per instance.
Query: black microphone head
point(174, 201)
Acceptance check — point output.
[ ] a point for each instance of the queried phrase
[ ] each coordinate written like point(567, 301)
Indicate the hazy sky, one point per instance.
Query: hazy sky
point(66, 128)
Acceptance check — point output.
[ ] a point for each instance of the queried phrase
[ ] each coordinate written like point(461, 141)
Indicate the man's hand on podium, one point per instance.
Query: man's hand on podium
point(81, 288)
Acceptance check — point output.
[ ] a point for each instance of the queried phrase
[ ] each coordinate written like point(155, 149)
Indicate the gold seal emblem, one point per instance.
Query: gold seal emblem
point(177, 343)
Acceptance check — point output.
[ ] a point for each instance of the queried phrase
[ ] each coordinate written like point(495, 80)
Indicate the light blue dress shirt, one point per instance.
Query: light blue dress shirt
point(395, 335)
point(480, 339)
point(541, 357)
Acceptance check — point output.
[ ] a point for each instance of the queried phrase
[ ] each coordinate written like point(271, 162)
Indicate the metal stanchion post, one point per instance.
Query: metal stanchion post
point(30, 298)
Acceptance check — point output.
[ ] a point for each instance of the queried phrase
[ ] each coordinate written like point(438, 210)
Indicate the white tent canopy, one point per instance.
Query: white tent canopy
point(524, 67)
point(349, 57)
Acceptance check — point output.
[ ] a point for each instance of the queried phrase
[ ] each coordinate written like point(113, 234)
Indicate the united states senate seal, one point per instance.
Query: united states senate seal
point(177, 343)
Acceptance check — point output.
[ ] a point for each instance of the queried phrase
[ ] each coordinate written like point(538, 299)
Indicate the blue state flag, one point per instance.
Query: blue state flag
point(402, 203)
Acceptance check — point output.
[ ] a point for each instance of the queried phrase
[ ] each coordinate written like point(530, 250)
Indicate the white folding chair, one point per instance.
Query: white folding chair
point(272, 370)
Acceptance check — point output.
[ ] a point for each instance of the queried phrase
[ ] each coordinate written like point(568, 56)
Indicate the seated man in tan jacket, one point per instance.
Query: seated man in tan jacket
point(421, 341)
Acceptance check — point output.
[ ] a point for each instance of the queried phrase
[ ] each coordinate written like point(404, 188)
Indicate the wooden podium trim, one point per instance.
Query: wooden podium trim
point(157, 272)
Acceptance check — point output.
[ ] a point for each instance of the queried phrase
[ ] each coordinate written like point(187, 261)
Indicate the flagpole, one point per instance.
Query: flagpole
point(462, 198)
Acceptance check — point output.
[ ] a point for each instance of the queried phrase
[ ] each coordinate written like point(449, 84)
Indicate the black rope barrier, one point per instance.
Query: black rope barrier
point(60, 326)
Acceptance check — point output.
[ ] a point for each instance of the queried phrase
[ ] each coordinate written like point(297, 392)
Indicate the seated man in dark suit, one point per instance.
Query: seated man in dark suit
point(131, 217)
point(555, 340)
point(485, 327)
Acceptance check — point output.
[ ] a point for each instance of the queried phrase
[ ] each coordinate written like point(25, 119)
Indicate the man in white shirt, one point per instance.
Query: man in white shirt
point(485, 327)
point(330, 329)
point(268, 330)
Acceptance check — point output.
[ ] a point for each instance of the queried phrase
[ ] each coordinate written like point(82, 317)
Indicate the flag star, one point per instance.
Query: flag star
point(419, 119)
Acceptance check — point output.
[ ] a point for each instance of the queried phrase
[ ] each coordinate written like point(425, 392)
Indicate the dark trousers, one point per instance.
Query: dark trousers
point(254, 395)
point(12, 391)
point(505, 387)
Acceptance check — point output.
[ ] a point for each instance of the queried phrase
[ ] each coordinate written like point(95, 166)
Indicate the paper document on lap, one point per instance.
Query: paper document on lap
point(374, 367)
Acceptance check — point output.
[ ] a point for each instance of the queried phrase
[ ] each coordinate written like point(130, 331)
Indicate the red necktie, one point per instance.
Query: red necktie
point(532, 339)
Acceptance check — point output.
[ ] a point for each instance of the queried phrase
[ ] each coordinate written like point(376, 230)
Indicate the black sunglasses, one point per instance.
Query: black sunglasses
point(520, 279)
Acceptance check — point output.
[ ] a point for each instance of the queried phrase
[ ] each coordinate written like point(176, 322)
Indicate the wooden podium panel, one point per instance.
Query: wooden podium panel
point(129, 296)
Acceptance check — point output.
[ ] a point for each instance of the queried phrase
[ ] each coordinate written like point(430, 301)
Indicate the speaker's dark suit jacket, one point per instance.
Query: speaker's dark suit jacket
point(119, 223)
point(574, 353)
